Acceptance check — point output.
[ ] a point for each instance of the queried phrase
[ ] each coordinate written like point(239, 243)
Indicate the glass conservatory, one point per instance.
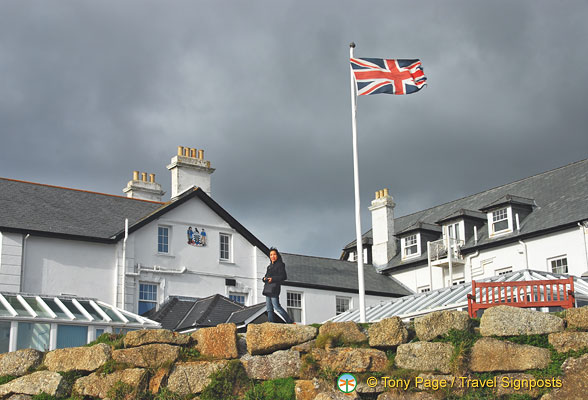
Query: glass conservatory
point(53, 322)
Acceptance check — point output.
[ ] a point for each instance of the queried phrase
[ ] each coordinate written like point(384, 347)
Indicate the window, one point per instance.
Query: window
point(353, 256)
point(71, 336)
point(499, 220)
point(458, 282)
point(99, 331)
point(238, 297)
point(453, 231)
point(225, 246)
point(33, 336)
point(423, 289)
point(147, 297)
point(342, 304)
point(163, 239)
point(559, 265)
point(294, 305)
point(410, 246)
point(504, 271)
point(4, 336)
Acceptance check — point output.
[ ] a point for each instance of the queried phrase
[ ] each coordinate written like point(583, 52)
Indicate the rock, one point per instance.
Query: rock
point(406, 396)
point(574, 382)
point(515, 383)
point(268, 337)
point(308, 389)
point(490, 355)
point(439, 323)
point(158, 380)
point(18, 363)
point(41, 381)
point(281, 364)
point(78, 358)
point(577, 318)
point(389, 332)
point(20, 397)
point(513, 321)
point(424, 356)
point(305, 347)
point(217, 342)
point(150, 336)
point(346, 359)
point(566, 341)
point(98, 385)
point(148, 356)
point(348, 332)
point(192, 377)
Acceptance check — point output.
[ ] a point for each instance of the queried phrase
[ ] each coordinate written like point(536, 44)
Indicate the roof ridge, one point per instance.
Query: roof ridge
point(324, 258)
point(82, 190)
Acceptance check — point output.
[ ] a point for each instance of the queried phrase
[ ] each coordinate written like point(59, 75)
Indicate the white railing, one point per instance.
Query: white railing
point(438, 248)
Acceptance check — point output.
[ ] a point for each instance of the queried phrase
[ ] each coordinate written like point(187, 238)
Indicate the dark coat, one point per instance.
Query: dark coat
point(276, 271)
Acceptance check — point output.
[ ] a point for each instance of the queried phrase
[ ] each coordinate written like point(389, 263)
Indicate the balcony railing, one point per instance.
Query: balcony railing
point(438, 249)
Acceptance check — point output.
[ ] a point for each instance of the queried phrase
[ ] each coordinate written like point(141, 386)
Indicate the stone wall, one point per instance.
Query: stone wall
point(442, 355)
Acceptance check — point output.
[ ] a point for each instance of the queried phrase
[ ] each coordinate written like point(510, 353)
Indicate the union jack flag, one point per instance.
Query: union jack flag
point(376, 75)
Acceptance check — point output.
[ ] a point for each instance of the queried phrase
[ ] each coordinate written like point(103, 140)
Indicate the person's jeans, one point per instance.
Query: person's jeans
point(273, 304)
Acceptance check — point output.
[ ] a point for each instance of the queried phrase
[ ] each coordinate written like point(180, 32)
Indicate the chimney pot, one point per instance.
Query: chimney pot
point(201, 154)
point(144, 176)
point(193, 153)
point(135, 175)
point(180, 150)
point(377, 194)
point(385, 192)
point(186, 152)
point(152, 178)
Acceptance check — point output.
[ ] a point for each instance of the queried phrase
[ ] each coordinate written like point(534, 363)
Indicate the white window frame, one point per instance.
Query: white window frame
point(491, 222)
point(169, 236)
point(156, 301)
point(301, 308)
point(551, 260)
point(417, 244)
point(343, 298)
point(238, 294)
point(229, 244)
point(352, 256)
point(451, 229)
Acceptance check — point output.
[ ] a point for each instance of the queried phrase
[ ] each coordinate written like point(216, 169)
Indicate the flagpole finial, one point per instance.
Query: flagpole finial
point(352, 45)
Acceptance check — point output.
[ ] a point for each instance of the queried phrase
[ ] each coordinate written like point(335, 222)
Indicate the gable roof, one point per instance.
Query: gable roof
point(338, 275)
point(46, 210)
point(559, 198)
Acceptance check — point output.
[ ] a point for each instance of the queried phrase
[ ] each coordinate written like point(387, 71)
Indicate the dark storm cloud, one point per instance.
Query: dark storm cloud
point(94, 90)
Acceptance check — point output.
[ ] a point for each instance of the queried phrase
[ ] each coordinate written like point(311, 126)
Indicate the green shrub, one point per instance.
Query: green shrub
point(122, 391)
point(111, 366)
point(277, 389)
point(190, 354)
point(227, 383)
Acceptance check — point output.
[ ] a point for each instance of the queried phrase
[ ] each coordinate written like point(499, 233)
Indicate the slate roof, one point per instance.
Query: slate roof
point(559, 197)
point(332, 274)
point(45, 210)
point(52, 210)
point(179, 313)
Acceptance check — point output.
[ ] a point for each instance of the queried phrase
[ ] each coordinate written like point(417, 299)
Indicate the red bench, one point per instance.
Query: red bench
point(549, 293)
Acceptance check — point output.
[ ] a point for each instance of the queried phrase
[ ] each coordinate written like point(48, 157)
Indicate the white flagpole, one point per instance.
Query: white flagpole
point(357, 205)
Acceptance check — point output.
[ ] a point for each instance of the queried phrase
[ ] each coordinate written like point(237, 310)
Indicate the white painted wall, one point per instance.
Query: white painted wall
point(319, 305)
point(55, 266)
point(531, 254)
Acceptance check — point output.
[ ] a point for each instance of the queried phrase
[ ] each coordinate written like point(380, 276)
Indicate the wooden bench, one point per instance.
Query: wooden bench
point(548, 293)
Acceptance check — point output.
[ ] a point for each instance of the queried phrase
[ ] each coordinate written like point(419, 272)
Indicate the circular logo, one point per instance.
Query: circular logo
point(346, 383)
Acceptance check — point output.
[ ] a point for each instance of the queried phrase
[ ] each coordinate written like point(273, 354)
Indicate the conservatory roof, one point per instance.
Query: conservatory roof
point(70, 309)
point(449, 298)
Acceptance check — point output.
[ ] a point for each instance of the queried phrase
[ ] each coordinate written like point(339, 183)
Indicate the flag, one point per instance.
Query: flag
point(376, 75)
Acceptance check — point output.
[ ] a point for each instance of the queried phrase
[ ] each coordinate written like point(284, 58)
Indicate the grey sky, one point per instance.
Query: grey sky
point(91, 91)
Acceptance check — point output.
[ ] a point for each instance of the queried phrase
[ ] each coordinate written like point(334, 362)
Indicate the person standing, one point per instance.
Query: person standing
point(274, 276)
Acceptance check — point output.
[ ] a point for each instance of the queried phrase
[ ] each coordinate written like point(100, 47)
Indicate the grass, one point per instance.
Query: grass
point(276, 389)
point(228, 383)
point(462, 341)
point(114, 340)
point(7, 378)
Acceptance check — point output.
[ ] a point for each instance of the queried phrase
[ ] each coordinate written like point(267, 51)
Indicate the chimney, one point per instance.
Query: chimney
point(384, 242)
point(188, 168)
point(141, 188)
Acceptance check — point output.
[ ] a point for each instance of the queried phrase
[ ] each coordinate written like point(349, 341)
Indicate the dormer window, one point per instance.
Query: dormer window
point(499, 220)
point(410, 246)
